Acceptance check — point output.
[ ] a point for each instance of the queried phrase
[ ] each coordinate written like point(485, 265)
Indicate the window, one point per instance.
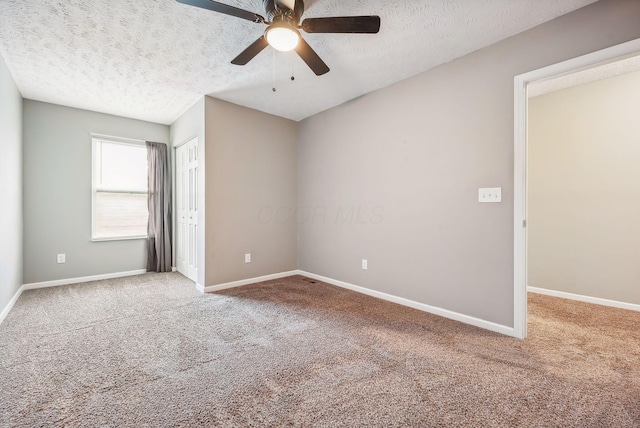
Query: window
point(119, 190)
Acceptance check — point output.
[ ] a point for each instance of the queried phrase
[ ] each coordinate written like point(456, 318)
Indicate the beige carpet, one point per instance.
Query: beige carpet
point(149, 351)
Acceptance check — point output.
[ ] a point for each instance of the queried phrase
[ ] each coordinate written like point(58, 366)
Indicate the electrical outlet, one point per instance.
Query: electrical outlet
point(490, 194)
point(247, 258)
point(365, 264)
point(61, 258)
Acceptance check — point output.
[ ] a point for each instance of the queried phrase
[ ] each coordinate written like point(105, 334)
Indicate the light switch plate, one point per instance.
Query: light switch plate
point(61, 258)
point(490, 194)
point(365, 264)
point(247, 258)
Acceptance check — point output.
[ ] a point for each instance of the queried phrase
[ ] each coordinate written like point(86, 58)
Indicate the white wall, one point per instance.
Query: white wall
point(57, 193)
point(411, 158)
point(10, 186)
point(584, 190)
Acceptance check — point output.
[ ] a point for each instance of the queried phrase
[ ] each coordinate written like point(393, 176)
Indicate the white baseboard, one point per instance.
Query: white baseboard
point(582, 298)
point(218, 287)
point(12, 302)
point(69, 281)
point(488, 325)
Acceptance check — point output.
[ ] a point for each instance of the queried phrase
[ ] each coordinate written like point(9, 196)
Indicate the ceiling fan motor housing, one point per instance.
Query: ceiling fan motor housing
point(276, 11)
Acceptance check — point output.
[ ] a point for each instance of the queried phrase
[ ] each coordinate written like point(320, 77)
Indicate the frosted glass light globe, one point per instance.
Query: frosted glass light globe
point(283, 39)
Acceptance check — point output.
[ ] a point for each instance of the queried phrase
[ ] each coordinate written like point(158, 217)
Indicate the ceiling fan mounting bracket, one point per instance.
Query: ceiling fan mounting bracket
point(285, 19)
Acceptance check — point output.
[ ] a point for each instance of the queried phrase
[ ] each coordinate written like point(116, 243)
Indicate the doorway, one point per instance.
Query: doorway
point(521, 84)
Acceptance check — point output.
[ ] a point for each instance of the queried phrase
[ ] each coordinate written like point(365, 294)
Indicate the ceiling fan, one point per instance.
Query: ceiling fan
point(283, 28)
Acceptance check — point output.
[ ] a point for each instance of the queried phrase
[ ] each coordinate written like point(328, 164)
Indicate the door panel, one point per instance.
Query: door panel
point(187, 209)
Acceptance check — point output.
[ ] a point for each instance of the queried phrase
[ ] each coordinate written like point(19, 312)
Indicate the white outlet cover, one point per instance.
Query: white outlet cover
point(490, 194)
point(247, 258)
point(365, 264)
point(61, 258)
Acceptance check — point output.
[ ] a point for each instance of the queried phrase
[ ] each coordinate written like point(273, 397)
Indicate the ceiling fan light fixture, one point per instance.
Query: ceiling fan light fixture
point(284, 22)
point(282, 37)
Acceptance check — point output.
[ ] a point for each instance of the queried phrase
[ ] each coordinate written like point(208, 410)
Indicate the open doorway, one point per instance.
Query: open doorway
point(558, 74)
point(583, 193)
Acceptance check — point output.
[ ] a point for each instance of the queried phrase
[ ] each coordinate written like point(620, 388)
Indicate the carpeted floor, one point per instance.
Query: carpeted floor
point(150, 351)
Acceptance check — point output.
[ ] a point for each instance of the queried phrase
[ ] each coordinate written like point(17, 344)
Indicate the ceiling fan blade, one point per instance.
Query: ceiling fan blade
point(298, 8)
point(343, 24)
point(224, 8)
point(308, 55)
point(249, 53)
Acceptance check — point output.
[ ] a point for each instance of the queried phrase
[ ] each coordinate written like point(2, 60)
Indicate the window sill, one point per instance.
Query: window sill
point(119, 238)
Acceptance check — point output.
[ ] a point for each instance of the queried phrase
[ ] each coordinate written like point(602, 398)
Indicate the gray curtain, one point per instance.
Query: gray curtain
point(159, 228)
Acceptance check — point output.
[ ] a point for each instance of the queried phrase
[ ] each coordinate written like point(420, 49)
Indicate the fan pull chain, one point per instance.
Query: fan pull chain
point(274, 71)
point(292, 63)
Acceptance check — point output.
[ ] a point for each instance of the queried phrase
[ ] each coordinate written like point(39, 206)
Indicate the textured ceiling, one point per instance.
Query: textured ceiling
point(582, 77)
point(152, 59)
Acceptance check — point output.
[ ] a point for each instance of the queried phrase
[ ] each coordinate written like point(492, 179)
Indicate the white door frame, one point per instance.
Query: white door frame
point(521, 82)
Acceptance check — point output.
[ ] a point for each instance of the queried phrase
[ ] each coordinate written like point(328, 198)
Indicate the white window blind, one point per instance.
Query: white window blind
point(119, 190)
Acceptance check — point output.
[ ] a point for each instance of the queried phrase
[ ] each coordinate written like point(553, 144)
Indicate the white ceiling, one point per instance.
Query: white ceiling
point(152, 59)
point(582, 77)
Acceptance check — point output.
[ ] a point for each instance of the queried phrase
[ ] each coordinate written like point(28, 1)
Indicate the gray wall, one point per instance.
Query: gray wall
point(584, 190)
point(410, 159)
point(251, 162)
point(57, 193)
point(10, 186)
point(189, 125)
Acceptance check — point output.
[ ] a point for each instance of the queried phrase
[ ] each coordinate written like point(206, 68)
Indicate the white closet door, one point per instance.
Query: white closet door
point(187, 209)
